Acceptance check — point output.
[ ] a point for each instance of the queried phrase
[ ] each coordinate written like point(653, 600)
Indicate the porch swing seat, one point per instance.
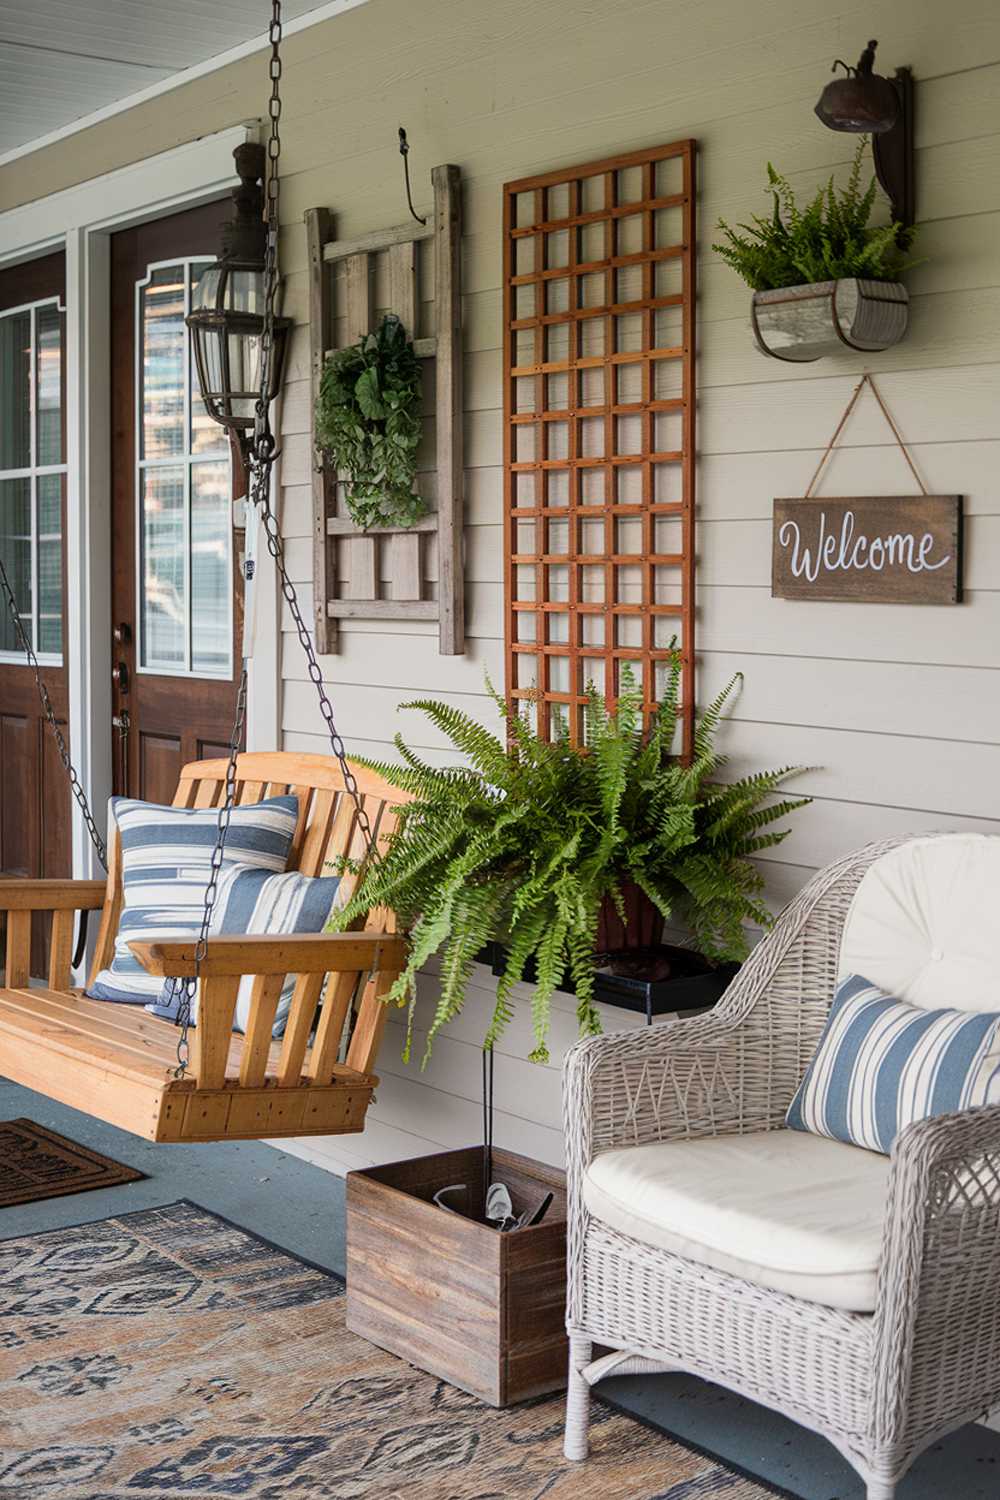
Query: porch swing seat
point(117, 1062)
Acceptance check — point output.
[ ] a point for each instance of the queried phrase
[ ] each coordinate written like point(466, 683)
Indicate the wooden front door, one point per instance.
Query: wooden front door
point(35, 833)
point(175, 604)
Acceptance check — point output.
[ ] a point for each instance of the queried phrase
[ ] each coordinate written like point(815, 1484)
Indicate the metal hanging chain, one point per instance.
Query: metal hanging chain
point(262, 458)
point(43, 693)
point(276, 548)
point(263, 453)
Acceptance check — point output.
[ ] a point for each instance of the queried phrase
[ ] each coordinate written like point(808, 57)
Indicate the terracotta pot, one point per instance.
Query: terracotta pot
point(642, 929)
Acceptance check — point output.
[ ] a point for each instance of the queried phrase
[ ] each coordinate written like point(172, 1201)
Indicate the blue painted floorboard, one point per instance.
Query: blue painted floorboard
point(301, 1208)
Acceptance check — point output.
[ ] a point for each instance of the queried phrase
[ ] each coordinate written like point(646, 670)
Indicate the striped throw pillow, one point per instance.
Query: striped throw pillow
point(253, 901)
point(166, 857)
point(881, 1064)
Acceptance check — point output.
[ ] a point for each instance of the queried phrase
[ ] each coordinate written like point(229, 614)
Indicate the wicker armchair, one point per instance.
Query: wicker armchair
point(881, 1386)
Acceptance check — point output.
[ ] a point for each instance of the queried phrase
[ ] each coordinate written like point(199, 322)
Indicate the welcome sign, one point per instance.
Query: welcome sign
point(884, 549)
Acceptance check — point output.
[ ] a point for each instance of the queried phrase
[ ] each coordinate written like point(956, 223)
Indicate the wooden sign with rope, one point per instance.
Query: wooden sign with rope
point(874, 549)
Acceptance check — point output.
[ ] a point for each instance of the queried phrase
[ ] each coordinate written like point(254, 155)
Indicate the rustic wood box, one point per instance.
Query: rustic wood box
point(482, 1310)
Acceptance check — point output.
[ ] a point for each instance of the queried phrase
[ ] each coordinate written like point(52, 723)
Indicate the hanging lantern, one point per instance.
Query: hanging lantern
point(227, 317)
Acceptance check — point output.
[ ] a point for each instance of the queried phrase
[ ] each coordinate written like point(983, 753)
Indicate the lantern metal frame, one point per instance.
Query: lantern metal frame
point(244, 241)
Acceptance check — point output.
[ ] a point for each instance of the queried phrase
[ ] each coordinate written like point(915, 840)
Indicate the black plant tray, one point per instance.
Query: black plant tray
point(692, 985)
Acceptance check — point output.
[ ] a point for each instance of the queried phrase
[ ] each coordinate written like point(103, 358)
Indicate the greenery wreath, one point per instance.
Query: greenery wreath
point(368, 420)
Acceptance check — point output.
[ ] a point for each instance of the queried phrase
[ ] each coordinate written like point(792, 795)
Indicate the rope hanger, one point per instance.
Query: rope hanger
point(868, 380)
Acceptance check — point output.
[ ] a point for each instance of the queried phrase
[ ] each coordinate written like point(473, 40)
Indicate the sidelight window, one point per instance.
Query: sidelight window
point(183, 491)
point(33, 473)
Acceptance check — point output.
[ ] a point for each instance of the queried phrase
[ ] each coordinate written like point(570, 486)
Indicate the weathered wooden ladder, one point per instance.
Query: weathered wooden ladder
point(355, 591)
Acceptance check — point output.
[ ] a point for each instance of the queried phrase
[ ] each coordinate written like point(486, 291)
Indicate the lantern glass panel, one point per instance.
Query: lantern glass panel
point(206, 434)
point(205, 293)
point(245, 292)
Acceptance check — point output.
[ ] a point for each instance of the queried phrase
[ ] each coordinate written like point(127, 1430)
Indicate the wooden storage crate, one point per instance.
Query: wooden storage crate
point(483, 1310)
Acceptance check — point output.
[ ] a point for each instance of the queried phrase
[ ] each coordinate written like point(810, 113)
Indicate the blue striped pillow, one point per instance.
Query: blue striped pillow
point(166, 858)
point(881, 1064)
point(253, 901)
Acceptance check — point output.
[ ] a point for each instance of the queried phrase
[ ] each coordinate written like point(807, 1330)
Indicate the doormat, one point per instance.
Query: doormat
point(37, 1163)
point(168, 1352)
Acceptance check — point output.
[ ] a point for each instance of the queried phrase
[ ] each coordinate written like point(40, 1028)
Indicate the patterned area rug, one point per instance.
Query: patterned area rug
point(168, 1353)
point(37, 1163)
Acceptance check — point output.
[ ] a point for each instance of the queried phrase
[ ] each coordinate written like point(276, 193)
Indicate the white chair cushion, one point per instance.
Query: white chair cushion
point(923, 923)
point(797, 1213)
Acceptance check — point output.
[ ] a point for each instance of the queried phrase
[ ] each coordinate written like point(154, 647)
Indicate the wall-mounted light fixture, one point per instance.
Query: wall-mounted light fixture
point(865, 103)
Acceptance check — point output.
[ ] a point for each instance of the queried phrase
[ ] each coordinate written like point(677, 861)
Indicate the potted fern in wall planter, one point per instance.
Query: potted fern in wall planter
point(524, 843)
point(823, 276)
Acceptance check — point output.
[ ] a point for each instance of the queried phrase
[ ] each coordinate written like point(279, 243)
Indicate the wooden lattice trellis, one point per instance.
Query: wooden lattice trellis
point(599, 430)
point(385, 573)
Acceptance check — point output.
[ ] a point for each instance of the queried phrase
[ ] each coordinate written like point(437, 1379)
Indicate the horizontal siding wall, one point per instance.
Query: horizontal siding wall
point(896, 710)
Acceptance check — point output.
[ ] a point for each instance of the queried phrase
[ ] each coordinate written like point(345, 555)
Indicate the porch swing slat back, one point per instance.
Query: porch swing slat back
point(118, 1062)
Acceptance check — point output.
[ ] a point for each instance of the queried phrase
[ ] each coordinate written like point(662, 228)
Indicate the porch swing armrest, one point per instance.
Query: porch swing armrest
point(297, 953)
point(52, 895)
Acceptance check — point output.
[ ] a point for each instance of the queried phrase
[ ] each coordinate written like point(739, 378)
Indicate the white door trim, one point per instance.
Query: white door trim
point(81, 219)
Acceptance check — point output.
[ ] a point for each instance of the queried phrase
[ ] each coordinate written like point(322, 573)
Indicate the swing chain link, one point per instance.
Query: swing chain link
point(276, 548)
point(76, 787)
point(262, 451)
point(263, 454)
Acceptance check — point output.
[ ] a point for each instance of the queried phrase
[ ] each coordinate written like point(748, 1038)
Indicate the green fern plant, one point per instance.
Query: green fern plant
point(831, 237)
point(524, 842)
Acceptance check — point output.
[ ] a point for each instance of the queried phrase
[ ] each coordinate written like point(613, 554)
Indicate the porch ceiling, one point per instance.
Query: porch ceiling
point(62, 60)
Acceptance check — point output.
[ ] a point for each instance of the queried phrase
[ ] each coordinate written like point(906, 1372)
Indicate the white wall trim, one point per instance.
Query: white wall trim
point(321, 13)
point(81, 219)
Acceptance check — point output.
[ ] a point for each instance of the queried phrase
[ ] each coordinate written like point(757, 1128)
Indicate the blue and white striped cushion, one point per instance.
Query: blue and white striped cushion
point(881, 1064)
point(253, 901)
point(166, 857)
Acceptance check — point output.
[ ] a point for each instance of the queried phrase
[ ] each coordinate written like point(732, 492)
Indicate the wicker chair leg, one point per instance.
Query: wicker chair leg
point(881, 1489)
point(577, 1400)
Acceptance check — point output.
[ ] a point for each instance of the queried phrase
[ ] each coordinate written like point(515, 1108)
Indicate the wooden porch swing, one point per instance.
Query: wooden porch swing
point(118, 1062)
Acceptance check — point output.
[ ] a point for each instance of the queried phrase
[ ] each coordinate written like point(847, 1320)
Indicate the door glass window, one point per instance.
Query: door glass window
point(183, 489)
point(32, 473)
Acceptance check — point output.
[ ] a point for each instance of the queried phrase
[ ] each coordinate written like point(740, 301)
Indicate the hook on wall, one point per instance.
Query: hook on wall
point(404, 151)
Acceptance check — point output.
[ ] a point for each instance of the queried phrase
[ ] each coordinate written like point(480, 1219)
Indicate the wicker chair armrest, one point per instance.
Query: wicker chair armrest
point(937, 1316)
point(674, 1080)
point(945, 1174)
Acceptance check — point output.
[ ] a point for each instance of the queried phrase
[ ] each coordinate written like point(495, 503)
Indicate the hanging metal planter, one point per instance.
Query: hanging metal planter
point(802, 323)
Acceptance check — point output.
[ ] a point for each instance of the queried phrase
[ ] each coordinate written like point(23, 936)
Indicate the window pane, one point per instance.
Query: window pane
point(50, 490)
point(15, 549)
point(163, 335)
point(48, 384)
point(163, 602)
point(211, 590)
point(206, 436)
point(15, 402)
